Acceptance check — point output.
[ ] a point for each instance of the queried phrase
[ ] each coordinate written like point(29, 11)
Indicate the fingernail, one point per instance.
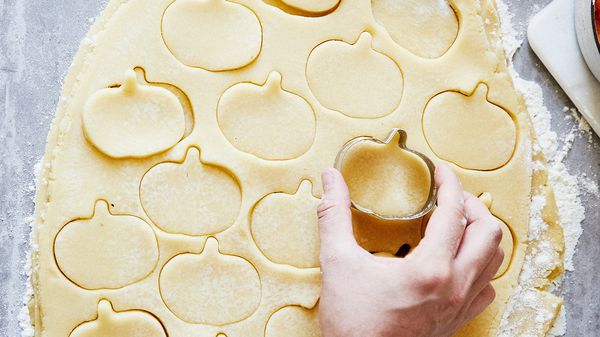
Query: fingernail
point(327, 178)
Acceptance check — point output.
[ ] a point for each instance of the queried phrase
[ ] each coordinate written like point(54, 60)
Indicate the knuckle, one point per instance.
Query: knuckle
point(435, 279)
point(501, 254)
point(458, 211)
point(457, 300)
point(326, 208)
point(491, 295)
point(331, 258)
point(496, 231)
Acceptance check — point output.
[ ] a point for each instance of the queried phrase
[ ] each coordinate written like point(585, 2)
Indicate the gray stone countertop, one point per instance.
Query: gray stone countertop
point(38, 40)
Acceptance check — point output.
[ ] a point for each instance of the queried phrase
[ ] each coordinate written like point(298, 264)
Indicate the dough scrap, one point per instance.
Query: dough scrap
point(294, 321)
point(121, 248)
point(216, 35)
point(285, 227)
point(133, 323)
point(469, 131)
point(427, 28)
point(133, 120)
point(373, 87)
point(267, 121)
point(207, 287)
point(190, 197)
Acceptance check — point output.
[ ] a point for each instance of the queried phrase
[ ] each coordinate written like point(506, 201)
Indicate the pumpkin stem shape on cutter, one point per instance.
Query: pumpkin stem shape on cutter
point(400, 136)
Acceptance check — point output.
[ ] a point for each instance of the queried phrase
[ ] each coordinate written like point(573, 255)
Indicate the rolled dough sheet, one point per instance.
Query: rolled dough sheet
point(181, 174)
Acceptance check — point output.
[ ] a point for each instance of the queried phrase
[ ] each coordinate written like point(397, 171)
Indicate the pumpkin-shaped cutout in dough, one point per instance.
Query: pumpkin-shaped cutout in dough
point(133, 120)
point(131, 323)
point(215, 35)
point(386, 179)
point(266, 121)
point(354, 79)
point(121, 248)
point(508, 241)
point(312, 6)
point(210, 287)
point(285, 227)
point(427, 28)
point(469, 131)
point(191, 197)
point(294, 321)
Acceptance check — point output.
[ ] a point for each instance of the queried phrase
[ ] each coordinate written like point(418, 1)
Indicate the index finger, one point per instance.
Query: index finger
point(447, 223)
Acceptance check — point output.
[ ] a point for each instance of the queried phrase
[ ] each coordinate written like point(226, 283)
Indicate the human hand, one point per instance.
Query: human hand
point(433, 291)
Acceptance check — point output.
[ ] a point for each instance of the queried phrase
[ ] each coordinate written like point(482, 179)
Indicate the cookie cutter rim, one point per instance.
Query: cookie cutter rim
point(431, 199)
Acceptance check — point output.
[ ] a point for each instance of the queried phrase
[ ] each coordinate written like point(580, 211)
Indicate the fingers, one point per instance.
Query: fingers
point(480, 242)
point(447, 223)
point(335, 218)
point(481, 301)
point(489, 272)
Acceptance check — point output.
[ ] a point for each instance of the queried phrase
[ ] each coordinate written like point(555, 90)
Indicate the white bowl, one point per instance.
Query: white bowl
point(587, 35)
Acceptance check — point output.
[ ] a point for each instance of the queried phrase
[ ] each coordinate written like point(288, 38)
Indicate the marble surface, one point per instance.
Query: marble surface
point(38, 40)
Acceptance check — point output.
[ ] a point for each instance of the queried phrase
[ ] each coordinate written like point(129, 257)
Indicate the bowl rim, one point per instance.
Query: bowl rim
point(595, 26)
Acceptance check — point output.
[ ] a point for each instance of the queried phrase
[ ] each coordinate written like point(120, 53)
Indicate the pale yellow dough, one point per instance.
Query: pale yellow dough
point(266, 121)
point(206, 288)
point(184, 197)
point(133, 120)
point(285, 227)
point(212, 34)
point(428, 28)
point(132, 323)
point(387, 179)
point(122, 250)
point(469, 130)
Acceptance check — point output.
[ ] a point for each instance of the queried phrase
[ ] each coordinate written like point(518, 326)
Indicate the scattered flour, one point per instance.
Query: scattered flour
point(568, 189)
point(25, 323)
point(565, 185)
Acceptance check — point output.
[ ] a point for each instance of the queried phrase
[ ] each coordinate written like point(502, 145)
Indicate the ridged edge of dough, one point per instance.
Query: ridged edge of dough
point(536, 288)
point(53, 142)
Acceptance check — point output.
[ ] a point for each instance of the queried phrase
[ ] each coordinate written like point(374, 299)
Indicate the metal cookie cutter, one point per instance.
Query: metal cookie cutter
point(431, 199)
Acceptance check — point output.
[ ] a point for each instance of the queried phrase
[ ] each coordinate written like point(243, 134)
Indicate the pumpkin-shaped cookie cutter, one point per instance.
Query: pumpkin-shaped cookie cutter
point(431, 199)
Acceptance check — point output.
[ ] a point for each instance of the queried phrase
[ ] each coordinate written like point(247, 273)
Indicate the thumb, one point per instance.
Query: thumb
point(335, 217)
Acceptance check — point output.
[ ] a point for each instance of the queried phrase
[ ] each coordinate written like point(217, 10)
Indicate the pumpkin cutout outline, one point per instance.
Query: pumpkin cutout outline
point(102, 208)
point(262, 92)
point(126, 144)
point(210, 254)
point(329, 80)
point(105, 311)
point(254, 48)
point(481, 91)
point(431, 199)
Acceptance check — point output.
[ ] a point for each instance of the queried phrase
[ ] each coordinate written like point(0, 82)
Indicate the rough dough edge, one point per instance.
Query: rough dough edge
point(70, 85)
point(53, 141)
point(540, 186)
